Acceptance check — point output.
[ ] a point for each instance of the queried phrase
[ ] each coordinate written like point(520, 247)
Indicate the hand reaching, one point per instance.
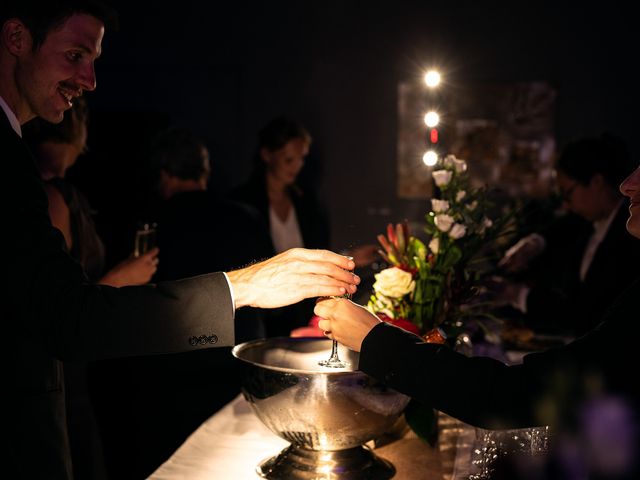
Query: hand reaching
point(345, 321)
point(293, 276)
point(133, 270)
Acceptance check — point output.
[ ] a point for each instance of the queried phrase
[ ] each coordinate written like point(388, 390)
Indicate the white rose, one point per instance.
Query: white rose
point(443, 222)
point(460, 195)
point(457, 231)
point(394, 282)
point(439, 206)
point(434, 245)
point(442, 177)
point(448, 161)
point(487, 223)
point(472, 206)
point(460, 165)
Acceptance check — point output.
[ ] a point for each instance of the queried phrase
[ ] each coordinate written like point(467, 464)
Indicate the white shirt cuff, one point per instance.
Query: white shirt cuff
point(233, 299)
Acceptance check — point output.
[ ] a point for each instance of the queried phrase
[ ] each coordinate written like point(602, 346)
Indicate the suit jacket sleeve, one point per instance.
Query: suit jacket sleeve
point(49, 300)
point(548, 388)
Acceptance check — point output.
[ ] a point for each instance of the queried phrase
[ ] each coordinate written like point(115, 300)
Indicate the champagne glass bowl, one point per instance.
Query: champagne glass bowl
point(326, 413)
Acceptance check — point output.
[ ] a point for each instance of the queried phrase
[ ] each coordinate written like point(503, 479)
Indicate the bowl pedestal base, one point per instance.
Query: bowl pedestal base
point(297, 463)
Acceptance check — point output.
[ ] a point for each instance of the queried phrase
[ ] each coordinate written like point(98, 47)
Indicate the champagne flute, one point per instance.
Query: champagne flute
point(145, 238)
point(334, 361)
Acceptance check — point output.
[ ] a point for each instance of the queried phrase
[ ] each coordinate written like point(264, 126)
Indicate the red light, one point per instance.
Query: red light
point(433, 136)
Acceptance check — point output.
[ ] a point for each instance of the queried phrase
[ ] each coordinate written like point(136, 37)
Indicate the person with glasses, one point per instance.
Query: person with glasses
point(587, 258)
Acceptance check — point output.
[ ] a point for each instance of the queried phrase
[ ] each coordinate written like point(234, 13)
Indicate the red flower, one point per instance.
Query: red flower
point(400, 322)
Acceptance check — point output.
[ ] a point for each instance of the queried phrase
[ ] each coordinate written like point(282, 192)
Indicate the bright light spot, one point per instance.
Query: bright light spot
point(430, 158)
point(432, 78)
point(431, 119)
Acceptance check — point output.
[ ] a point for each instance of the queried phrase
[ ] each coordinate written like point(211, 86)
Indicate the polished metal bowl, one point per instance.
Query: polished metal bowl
point(327, 414)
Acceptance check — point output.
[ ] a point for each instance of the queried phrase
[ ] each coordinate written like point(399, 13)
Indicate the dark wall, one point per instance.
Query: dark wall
point(225, 70)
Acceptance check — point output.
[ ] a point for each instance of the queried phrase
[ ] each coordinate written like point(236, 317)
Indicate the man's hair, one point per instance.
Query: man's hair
point(606, 154)
point(180, 153)
point(43, 16)
point(70, 130)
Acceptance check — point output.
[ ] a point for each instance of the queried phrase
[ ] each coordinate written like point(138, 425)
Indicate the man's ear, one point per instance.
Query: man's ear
point(16, 36)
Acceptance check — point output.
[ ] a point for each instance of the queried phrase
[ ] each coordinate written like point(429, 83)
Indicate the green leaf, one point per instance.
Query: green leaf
point(423, 421)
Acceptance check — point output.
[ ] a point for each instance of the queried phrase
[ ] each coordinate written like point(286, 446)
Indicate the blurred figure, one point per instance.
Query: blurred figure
point(57, 148)
point(198, 232)
point(578, 266)
point(293, 216)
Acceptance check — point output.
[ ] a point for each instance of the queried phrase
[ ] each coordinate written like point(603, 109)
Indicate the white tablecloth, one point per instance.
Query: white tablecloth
point(228, 445)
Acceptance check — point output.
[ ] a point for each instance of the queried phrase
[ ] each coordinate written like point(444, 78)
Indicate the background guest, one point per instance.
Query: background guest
point(57, 148)
point(293, 215)
point(585, 259)
point(200, 232)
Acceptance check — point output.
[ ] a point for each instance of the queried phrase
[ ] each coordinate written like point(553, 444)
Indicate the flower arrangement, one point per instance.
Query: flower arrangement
point(429, 284)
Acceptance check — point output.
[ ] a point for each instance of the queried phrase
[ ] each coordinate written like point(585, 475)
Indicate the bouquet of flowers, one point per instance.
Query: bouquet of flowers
point(429, 284)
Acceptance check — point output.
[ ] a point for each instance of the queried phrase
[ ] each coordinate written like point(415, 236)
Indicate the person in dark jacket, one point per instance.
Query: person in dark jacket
point(587, 257)
point(50, 311)
point(583, 390)
point(200, 232)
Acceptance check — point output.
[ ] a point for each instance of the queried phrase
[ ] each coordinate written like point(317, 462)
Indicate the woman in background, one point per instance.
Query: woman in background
point(293, 216)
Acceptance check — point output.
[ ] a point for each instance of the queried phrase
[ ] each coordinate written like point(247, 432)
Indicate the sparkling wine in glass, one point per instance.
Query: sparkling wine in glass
point(334, 361)
point(145, 238)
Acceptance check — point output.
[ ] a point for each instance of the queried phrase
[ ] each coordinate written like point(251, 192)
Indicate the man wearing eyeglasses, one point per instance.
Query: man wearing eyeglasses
point(589, 264)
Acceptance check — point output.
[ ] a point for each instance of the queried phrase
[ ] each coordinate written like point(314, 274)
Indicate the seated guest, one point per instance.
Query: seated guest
point(583, 390)
point(200, 232)
point(586, 257)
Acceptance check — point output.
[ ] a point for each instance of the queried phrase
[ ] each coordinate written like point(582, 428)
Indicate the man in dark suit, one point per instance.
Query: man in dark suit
point(585, 390)
point(49, 309)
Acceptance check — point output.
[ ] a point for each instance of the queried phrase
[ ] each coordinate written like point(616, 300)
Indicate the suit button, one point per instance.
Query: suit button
point(193, 341)
point(202, 339)
point(213, 339)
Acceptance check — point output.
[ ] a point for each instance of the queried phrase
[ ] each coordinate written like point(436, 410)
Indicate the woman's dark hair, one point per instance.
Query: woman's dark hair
point(70, 130)
point(180, 153)
point(605, 154)
point(43, 16)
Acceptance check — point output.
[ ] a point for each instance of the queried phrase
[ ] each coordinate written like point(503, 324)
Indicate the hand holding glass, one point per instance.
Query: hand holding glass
point(334, 361)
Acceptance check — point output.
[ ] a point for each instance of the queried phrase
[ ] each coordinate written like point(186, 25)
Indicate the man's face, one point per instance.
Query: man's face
point(60, 70)
point(631, 188)
point(583, 200)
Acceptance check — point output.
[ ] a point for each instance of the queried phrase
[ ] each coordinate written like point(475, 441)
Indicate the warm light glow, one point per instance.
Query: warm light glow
point(431, 119)
point(432, 78)
point(430, 158)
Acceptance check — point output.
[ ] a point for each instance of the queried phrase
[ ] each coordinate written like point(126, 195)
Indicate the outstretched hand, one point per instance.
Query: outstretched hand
point(345, 321)
point(293, 276)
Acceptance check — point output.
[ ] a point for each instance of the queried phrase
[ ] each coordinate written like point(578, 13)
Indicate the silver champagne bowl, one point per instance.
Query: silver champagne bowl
point(327, 414)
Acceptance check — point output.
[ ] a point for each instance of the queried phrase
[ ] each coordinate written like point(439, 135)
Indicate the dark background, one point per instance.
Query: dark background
point(224, 70)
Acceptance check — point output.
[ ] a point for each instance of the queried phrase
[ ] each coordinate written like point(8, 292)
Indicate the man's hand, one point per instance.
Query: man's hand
point(345, 321)
point(293, 276)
